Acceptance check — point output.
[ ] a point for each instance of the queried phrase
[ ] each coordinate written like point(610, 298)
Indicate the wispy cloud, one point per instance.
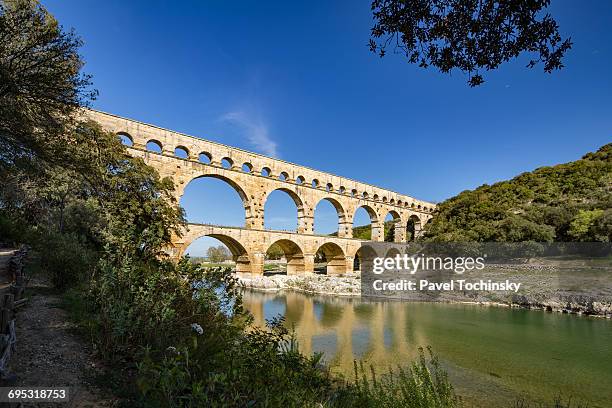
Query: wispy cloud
point(256, 132)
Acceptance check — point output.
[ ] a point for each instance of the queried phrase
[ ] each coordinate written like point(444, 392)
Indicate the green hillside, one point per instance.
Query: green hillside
point(567, 202)
point(365, 231)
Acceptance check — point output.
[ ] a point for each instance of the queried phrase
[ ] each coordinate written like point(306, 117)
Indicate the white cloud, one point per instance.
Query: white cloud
point(256, 132)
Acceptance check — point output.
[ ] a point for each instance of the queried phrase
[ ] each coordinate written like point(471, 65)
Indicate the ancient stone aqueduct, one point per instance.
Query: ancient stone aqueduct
point(254, 177)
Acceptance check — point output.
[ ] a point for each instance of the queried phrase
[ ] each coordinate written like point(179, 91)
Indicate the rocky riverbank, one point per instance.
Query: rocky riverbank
point(349, 285)
point(543, 288)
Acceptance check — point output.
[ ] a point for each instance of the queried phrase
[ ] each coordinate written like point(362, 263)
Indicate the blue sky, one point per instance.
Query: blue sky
point(296, 80)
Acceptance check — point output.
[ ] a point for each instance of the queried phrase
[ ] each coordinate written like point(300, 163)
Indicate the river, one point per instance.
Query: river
point(494, 355)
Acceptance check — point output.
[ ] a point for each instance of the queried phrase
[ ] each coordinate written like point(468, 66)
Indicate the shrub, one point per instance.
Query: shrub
point(66, 258)
point(423, 384)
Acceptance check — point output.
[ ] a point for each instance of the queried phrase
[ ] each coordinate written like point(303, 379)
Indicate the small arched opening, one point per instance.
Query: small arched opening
point(413, 228)
point(205, 158)
point(181, 152)
point(125, 139)
point(154, 146)
point(392, 227)
point(363, 260)
point(247, 167)
point(227, 163)
point(285, 256)
point(330, 259)
point(219, 250)
point(365, 224)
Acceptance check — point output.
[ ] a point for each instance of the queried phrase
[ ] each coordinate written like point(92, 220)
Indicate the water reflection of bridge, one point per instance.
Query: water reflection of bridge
point(345, 329)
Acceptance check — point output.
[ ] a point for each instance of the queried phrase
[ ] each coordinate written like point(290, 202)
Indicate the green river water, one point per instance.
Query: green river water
point(494, 355)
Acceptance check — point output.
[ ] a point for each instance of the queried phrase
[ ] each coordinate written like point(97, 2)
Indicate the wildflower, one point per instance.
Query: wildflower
point(197, 328)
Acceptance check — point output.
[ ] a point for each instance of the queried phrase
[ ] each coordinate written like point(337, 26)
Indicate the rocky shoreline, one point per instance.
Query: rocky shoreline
point(538, 297)
point(348, 285)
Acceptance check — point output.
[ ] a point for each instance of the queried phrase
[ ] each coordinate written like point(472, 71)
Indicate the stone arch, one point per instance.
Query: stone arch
point(340, 212)
point(233, 184)
point(299, 180)
point(126, 139)
point(283, 176)
point(181, 152)
point(413, 227)
point(239, 254)
point(299, 204)
point(205, 158)
point(375, 222)
point(247, 167)
point(392, 252)
point(334, 258)
point(293, 254)
point(227, 163)
point(398, 229)
point(363, 258)
point(152, 144)
point(266, 172)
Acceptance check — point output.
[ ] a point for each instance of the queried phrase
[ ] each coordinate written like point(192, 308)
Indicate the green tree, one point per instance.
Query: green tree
point(218, 254)
point(41, 85)
point(472, 36)
point(582, 224)
point(274, 252)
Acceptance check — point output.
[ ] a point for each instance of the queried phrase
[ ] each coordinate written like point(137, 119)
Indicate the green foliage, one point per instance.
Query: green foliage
point(468, 35)
point(103, 200)
point(66, 258)
point(275, 252)
point(40, 82)
point(137, 300)
point(583, 223)
point(365, 231)
point(362, 232)
point(218, 254)
point(567, 202)
point(258, 368)
point(423, 384)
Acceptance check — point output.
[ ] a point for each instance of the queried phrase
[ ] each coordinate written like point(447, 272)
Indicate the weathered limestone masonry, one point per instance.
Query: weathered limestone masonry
point(254, 177)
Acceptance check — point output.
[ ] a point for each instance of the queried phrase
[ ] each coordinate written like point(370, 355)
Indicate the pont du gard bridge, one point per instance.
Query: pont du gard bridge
point(254, 177)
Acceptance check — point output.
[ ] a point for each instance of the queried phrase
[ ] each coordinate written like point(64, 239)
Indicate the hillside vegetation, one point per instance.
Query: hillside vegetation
point(566, 202)
point(365, 231)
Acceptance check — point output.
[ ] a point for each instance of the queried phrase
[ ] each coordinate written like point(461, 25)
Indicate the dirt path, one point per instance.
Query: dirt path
point(49, 354)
